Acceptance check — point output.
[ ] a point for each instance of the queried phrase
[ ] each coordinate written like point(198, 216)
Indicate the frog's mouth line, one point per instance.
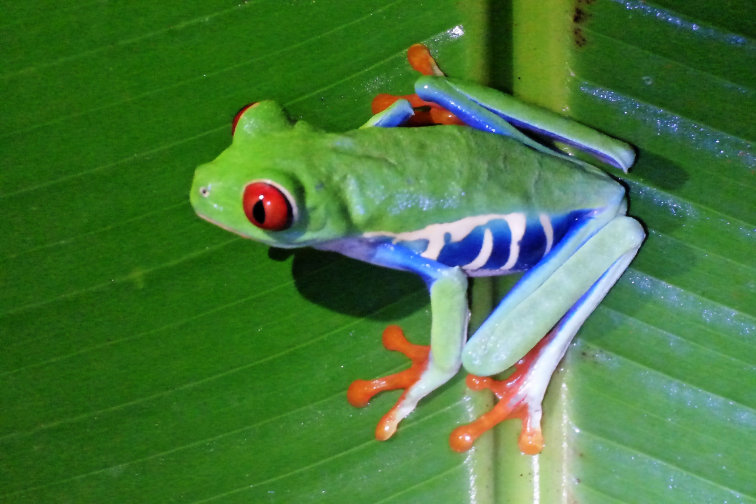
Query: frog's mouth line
point(216, 223)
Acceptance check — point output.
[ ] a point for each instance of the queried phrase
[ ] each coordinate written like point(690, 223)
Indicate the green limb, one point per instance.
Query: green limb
point(570, 293)
point(491, 110)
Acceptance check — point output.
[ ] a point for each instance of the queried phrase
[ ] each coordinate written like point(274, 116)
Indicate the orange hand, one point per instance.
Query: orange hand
point(361, 391)
point(420, 59)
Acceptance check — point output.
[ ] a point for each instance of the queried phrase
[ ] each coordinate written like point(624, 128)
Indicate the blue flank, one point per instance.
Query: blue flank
point(532, 245)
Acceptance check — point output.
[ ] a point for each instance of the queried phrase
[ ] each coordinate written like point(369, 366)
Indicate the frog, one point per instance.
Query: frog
point(454, 181)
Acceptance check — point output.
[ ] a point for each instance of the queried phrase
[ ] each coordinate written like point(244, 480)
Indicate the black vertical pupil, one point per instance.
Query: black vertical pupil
point(258, 211)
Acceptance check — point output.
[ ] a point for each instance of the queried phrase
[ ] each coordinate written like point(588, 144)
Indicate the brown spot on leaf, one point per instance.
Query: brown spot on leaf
point(578, 37)
point(579, 15)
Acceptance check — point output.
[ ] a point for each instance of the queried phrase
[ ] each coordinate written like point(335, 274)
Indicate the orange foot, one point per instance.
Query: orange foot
point(361, 391)
point(426, 113)
point(519, 395)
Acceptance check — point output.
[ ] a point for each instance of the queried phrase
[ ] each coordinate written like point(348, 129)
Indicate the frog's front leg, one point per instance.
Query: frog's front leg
point(449, 318)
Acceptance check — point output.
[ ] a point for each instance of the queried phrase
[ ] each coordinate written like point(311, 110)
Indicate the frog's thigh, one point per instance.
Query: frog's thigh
point(510, 332)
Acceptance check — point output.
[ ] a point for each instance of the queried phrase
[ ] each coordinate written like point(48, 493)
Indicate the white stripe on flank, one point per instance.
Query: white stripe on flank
point(435, 235)
point(548, 230)
point(485, 252)
point(517, 224)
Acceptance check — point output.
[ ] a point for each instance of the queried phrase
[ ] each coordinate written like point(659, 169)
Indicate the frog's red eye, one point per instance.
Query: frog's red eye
point(267, 207)
point(238, 116)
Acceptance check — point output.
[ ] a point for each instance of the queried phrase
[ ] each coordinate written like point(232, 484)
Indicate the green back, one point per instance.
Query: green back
point(389, 179)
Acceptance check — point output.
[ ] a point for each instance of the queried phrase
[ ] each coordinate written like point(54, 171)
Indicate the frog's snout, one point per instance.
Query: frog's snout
point(200, 189)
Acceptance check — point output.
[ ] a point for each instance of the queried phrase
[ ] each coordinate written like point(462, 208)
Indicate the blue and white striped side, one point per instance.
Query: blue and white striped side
point(491, 244)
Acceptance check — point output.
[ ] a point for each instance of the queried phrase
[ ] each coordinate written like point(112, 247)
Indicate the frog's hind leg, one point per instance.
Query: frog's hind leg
point(575, 288)
point(491, 110)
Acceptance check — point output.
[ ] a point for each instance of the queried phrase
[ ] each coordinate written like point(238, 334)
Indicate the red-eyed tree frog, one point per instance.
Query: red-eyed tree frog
point(445, 202)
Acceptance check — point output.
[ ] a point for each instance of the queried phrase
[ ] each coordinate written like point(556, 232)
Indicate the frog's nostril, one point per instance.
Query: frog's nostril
point(204, 192)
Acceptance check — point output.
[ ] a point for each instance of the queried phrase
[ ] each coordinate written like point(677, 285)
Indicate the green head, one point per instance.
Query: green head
point(267, 186)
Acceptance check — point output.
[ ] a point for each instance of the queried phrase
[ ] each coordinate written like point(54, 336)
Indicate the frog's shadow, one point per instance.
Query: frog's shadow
point(352, 287)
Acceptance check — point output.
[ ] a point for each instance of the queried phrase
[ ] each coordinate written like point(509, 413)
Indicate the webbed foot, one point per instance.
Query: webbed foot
point(361, 391)
point(520, 396)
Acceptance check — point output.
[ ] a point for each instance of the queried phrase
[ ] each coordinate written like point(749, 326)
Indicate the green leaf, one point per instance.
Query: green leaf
point(150, 357)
